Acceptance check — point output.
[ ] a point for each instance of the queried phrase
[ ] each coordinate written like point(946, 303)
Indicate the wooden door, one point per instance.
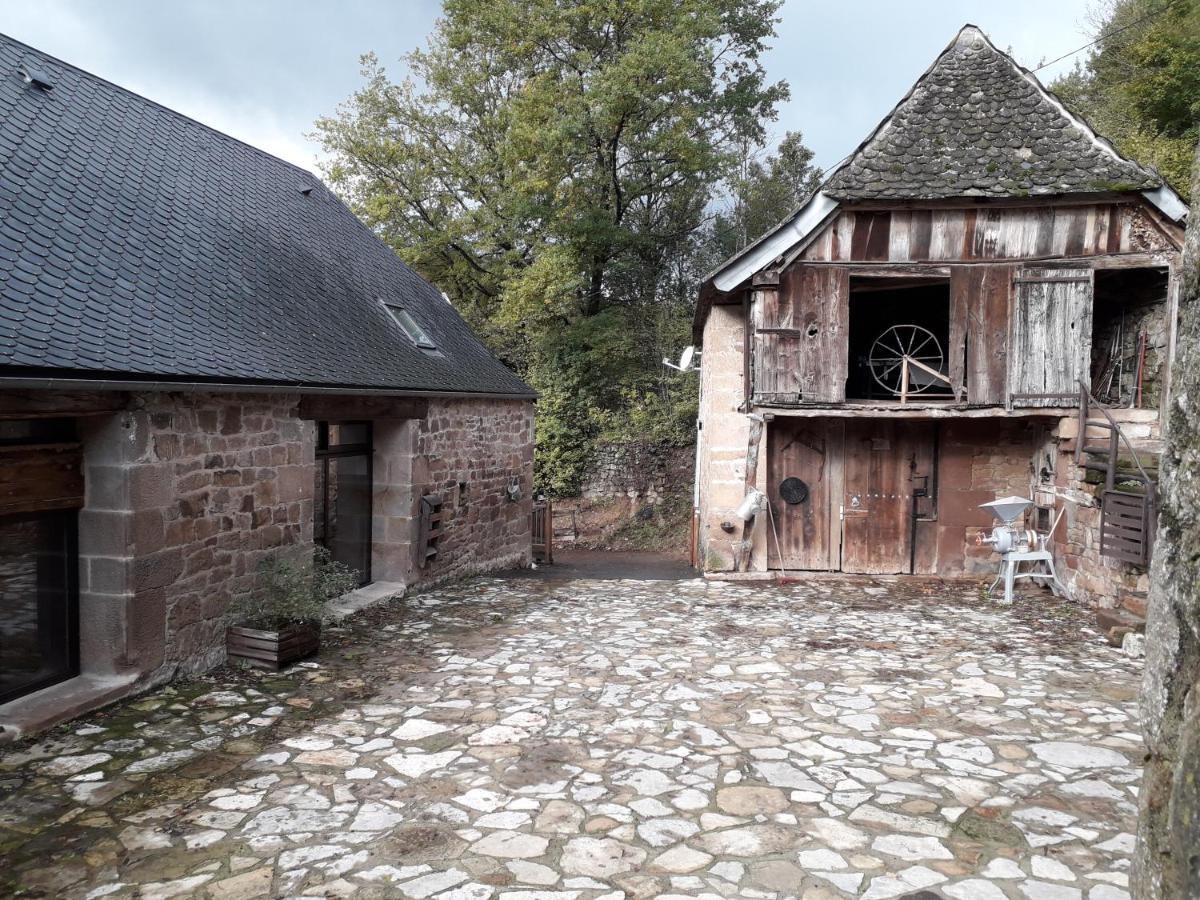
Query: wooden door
point(1051, 345)
point(883, 461)
point(808, 450)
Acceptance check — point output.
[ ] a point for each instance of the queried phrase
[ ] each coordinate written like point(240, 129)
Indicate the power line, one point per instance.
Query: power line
point(1105, 37)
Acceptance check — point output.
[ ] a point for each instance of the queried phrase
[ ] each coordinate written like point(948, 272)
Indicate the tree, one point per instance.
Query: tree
point(762, 194)
point(548, 163)
point(1167, 859)
point(1141, 85)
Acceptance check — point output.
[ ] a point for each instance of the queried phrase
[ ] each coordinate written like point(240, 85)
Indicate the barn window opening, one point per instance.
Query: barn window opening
point(1129, 336)
point(899, 339)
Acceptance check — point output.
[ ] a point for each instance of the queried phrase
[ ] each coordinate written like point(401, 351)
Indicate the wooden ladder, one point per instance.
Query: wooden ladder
point(1129, 498)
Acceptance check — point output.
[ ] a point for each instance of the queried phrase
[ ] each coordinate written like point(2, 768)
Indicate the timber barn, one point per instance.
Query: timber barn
point(205, 358)
point(979, 301)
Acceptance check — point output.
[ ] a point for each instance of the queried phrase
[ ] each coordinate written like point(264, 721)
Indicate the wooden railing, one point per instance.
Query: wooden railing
point(1127, 520)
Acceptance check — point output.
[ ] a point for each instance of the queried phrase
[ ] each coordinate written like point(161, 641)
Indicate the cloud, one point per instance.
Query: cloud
point(264, 71)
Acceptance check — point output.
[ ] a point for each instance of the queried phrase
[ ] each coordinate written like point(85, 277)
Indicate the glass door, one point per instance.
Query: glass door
point(39, 611)
point(342, 520)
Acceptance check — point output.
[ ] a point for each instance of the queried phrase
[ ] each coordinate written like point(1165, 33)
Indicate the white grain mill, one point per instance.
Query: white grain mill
point(1017, 545)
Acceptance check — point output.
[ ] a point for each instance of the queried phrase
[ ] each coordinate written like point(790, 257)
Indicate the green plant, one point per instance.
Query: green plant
point(290, 592)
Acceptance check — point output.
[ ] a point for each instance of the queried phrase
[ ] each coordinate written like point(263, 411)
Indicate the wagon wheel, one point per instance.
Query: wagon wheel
point(887, 355)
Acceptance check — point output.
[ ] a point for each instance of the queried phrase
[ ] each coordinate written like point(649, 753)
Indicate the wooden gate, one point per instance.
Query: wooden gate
point(542, 529)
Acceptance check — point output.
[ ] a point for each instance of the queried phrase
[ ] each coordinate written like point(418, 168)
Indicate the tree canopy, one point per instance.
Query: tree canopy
point(1140, 86)
point(551, 166)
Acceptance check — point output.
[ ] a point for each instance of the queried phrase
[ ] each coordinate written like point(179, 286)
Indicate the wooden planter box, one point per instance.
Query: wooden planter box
point(272, 649)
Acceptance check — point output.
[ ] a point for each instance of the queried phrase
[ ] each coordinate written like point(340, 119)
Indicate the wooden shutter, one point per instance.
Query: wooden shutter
point(1050, 347)
point(800, 334)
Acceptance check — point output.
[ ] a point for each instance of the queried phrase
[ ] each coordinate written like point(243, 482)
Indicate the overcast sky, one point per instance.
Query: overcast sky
point(264, 70)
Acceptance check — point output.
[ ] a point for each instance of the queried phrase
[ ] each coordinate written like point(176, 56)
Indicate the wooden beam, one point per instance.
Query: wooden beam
point(40, 477)
point(325, 407)
point(51, 404)
point(742, 563)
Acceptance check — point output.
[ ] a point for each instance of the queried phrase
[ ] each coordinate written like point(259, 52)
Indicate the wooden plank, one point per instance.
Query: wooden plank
point(41, 477)
point(47, 404)
point(979, 301)
point(746, 544)
point(870, 238)
point(328, 407)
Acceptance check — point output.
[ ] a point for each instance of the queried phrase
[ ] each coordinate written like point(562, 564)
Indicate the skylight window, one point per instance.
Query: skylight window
point(411, 327)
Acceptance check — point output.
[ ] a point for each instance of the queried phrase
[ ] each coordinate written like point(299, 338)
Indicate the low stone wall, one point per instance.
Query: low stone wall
point(642, 472)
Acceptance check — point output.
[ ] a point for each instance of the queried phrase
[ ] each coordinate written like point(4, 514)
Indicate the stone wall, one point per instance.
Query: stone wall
point(978, 461)
point(1090, 577)
point(1167, 857)
point(469, 452)
point(184, 494)
point(641, 472)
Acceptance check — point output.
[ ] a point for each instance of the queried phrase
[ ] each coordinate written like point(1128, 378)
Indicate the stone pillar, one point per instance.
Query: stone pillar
point(116, 637)
point(393, 501)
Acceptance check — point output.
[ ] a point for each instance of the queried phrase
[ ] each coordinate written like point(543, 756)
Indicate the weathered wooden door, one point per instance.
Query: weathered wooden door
point(883, 461)
point(800, 337)
point(1051, 345)
point(802, 455)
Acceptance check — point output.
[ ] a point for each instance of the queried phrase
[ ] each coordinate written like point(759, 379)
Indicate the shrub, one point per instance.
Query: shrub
point(290, 592)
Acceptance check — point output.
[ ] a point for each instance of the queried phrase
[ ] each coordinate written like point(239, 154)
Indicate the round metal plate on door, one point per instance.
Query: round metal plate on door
point(793, 491)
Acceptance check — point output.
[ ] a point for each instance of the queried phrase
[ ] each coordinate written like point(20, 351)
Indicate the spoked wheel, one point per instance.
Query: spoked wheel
point(893, 346)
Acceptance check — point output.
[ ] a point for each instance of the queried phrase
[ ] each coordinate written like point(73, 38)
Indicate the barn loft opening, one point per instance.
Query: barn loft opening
point(898, 324)
point(1129, 336)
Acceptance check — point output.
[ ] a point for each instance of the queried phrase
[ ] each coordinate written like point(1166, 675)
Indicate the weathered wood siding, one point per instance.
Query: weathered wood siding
point(921, 235)
point(1050, 347)
point(800, 336)
point(979, 309)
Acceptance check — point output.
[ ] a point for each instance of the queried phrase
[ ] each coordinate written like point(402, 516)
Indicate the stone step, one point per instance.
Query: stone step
point(1114, 624)
point(1135, 602)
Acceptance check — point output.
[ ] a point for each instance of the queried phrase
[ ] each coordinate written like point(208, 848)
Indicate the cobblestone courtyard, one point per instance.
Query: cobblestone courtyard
point(522, 739)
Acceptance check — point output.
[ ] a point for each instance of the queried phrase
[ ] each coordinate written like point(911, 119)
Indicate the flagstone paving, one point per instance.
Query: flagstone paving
point(525, 739)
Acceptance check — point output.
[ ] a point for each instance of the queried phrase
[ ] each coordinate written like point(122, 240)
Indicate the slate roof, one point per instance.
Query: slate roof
point(137, 242)
point(977, 124)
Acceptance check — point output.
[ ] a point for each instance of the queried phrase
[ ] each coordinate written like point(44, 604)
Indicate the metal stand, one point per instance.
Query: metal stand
point(1010, 571)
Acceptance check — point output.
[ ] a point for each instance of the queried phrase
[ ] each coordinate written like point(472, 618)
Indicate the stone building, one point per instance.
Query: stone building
point(913, 341)
point(206, 358)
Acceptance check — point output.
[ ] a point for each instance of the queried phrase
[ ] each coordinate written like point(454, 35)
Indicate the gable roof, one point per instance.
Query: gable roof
point(940, 142)
point(137, 242)
point(976, 124)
